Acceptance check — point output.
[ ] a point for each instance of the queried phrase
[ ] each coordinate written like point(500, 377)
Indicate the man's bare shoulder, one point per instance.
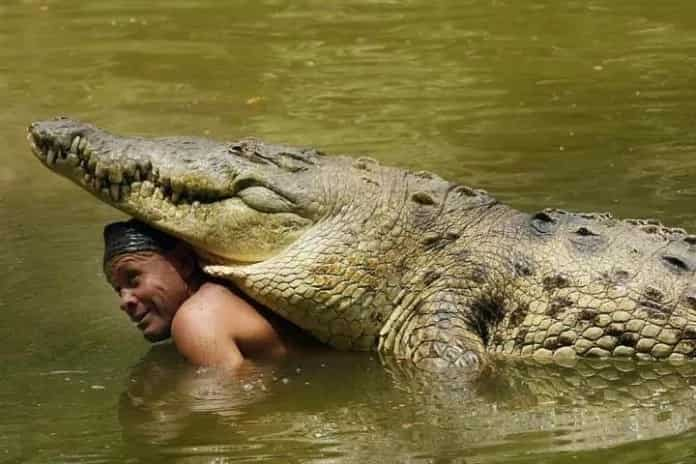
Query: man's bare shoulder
point(203, 329)
point(216, 307)
point(213, 309)
point(204, 310)
point(215, 296)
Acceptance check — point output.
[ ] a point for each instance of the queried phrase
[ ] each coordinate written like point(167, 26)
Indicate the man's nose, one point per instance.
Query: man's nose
point(129, 302)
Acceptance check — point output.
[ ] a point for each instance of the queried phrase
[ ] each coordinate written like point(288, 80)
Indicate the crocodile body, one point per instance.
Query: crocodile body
point(372, 257)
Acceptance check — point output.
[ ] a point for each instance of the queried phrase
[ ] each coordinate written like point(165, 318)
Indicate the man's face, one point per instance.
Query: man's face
point(151, 288)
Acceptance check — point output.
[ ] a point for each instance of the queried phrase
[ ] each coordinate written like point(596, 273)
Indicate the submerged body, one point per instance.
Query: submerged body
point(370, 257)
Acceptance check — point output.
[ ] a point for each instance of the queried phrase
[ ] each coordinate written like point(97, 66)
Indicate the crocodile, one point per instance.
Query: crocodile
point(371, 257)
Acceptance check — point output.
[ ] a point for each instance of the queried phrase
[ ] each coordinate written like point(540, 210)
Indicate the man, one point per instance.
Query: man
point(163, 291)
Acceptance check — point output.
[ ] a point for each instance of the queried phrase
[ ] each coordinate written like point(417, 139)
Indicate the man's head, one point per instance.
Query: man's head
point(152, 273)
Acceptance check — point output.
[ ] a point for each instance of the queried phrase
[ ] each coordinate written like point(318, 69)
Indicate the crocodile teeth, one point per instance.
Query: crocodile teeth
point(100, 171)
point(147, 188)
point(129, 169)
point(74, 144)
point(73, 159)
point(50, 157)
point(83, 144)
point(116, 176)
point(115, 191)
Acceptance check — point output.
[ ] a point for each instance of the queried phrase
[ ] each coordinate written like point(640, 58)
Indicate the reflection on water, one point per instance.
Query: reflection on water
point(579, 105)
point(310, 408)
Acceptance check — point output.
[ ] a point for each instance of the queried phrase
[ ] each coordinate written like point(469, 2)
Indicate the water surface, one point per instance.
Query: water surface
point(579, 105)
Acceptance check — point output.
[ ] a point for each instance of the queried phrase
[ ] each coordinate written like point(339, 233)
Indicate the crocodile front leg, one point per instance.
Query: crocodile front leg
point(439, 332)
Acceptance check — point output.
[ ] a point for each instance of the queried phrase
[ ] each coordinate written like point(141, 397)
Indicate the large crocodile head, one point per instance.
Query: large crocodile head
point(237, 201)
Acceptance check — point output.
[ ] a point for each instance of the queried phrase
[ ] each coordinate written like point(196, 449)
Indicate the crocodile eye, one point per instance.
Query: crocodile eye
point(677, 263)
point(264, 200)
point(543, 224)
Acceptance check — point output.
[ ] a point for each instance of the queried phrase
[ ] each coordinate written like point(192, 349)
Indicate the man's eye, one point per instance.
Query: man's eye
point(132, 278)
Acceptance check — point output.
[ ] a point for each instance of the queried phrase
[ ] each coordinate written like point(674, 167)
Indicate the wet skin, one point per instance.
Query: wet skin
point(165, 295)
point(151, 288)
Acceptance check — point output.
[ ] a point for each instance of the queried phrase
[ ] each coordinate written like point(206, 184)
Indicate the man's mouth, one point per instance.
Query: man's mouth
point(139, 320)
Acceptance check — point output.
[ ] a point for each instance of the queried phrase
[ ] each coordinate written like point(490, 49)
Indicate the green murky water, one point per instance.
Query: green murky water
point(585, 105)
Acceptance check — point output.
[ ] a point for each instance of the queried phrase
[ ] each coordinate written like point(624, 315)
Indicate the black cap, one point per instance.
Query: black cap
point(134, 236)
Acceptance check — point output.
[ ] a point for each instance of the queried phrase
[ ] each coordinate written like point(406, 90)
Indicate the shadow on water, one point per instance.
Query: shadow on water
point(546, 411)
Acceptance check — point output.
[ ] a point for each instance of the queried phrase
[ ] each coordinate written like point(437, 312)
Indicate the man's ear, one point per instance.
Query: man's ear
point(186, 261)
